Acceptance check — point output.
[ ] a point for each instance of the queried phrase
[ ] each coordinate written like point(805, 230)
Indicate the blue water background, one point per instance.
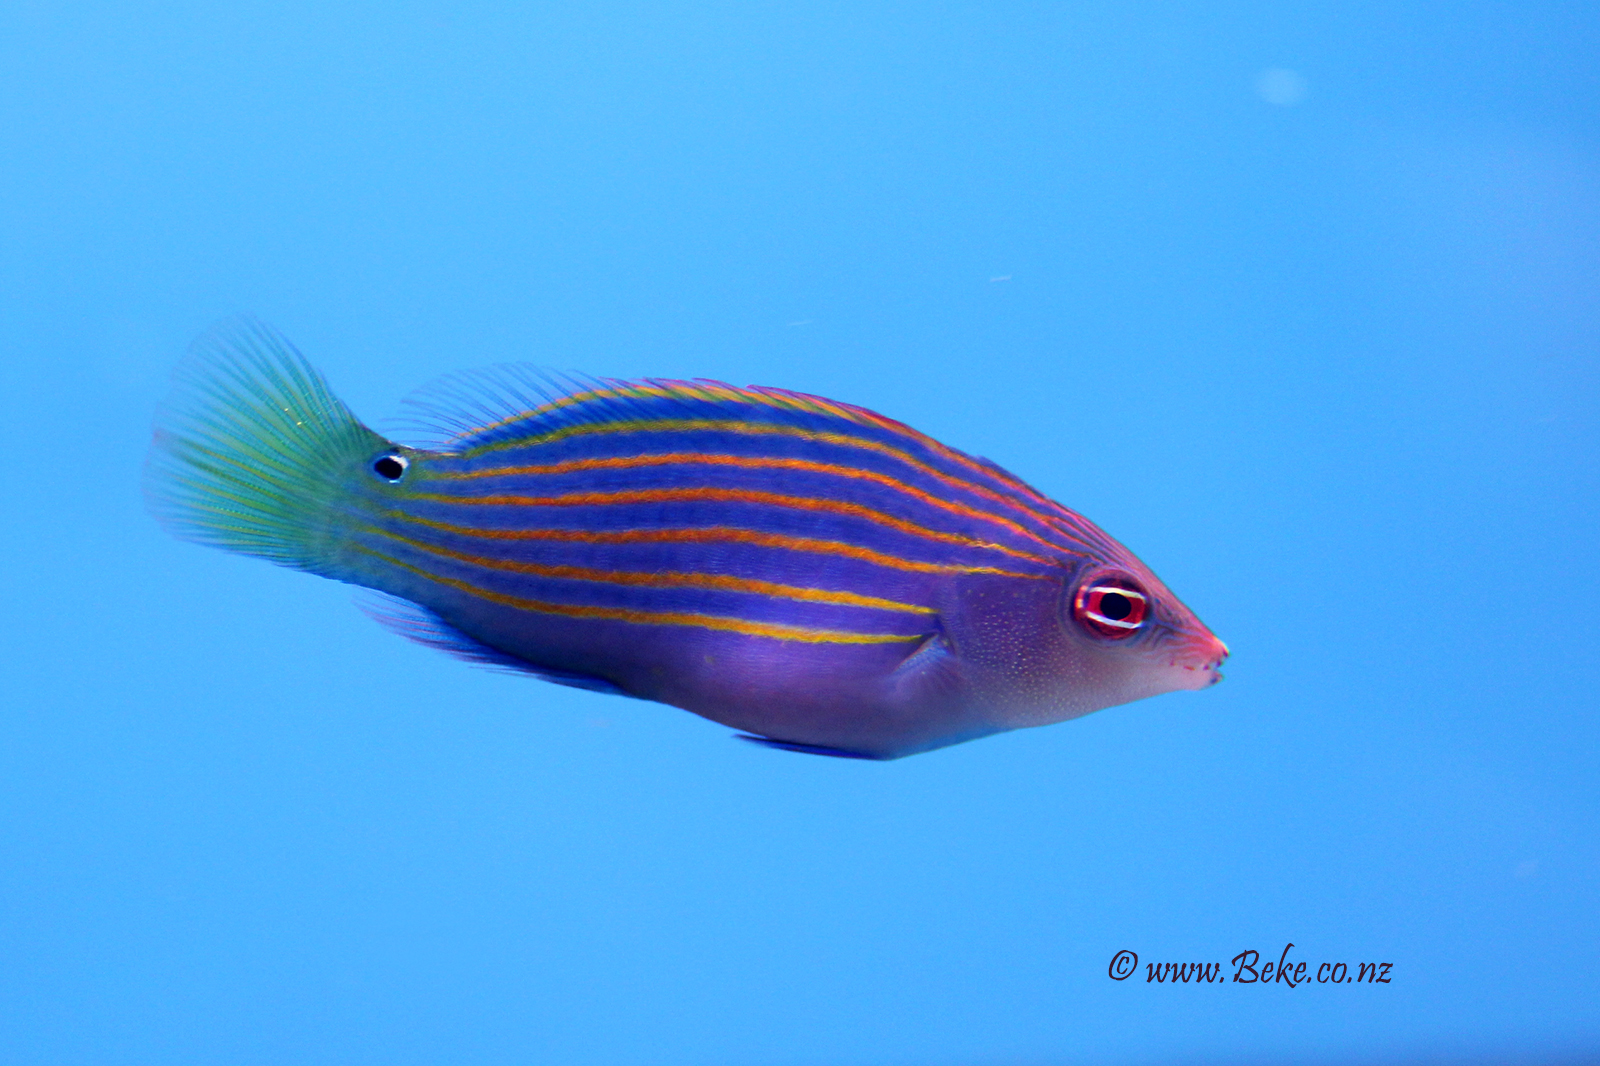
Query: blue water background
point(1300, 301)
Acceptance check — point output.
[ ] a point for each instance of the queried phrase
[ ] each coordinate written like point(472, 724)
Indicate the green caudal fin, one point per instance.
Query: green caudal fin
point(253, 453)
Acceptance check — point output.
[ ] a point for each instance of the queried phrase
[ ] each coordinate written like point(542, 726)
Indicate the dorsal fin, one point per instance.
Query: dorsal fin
point(480, 407)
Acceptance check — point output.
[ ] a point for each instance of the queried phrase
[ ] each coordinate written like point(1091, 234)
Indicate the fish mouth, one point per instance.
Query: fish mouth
point(1202, 660)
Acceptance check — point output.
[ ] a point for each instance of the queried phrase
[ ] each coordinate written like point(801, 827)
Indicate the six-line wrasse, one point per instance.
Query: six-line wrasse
point(815, 574)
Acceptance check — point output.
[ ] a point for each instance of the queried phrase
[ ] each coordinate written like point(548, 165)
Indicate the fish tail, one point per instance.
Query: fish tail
point(254, 454)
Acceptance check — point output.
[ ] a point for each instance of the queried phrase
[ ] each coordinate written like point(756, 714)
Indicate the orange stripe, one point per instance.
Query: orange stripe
point(773, 630)
point(1049, 518)
point(1004, 476)
point(754, 462)
point(774, 499)
point(709, 535)
point(667, 579)
point(862, 416)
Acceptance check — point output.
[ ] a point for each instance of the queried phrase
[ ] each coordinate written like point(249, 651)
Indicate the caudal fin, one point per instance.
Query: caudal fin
point(251, 450)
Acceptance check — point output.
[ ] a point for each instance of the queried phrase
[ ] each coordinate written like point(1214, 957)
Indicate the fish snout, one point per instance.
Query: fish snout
point(1201, 659)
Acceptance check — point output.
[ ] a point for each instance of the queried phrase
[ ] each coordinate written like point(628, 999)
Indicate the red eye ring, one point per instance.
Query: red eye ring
point(1111, 606)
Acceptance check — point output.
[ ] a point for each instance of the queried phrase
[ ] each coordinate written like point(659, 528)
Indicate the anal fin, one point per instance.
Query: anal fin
point(807, 749)
point(418, 623)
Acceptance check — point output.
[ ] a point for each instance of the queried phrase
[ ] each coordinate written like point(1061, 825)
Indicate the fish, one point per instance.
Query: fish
point(821, 578)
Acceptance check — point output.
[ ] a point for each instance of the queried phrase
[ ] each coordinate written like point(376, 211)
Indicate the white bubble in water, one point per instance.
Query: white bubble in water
point(1277, 85)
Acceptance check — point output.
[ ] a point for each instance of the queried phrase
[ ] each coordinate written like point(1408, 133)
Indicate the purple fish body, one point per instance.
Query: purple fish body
point(810, 572)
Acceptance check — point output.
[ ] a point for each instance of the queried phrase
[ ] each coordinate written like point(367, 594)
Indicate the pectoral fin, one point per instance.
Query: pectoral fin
point(929, 673)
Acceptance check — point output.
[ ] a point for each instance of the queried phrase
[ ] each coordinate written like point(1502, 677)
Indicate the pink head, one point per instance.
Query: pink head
point(1128, 637)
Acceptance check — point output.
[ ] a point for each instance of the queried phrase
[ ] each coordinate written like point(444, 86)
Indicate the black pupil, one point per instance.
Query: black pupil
point(1115, 606)
point(390, 468)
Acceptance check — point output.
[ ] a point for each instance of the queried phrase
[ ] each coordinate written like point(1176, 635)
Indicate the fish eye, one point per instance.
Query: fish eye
point(1111, 605)
point(390, 467)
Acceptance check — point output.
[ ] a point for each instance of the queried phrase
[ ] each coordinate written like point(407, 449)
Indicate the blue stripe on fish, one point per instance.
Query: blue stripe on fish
point(864, 504)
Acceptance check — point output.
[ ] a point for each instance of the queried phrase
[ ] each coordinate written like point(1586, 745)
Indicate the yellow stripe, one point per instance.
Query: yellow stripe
point(773, 499)
point(1049, 515)
point(753, 462)
point(667, 579)
point(709, 535)
point(780, 399)
point(772, 630)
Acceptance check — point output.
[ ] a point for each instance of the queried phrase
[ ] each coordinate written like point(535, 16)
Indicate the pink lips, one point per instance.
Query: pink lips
point(1204, 656)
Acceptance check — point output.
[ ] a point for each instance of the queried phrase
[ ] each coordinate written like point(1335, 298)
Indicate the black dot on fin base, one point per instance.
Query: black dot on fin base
point(390, 468)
